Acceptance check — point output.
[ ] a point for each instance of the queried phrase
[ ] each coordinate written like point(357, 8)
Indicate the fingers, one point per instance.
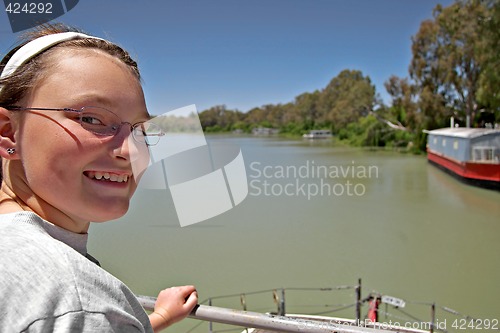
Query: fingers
point(187, 290)
point(179, 293)
point(192, 300)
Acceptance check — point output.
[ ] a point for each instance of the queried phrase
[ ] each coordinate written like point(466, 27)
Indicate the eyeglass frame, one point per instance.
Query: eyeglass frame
point(80, 111)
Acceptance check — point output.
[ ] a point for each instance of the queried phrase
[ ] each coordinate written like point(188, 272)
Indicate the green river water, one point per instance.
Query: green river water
point(404, 227)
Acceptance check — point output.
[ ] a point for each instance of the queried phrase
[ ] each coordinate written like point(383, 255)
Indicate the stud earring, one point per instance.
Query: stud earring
point(11, 151)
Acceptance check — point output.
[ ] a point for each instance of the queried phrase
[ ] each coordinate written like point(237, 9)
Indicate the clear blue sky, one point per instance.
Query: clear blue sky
point(250, 53)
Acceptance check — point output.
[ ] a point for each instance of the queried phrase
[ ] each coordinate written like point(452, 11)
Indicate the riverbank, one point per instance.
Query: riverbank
point(334, 141)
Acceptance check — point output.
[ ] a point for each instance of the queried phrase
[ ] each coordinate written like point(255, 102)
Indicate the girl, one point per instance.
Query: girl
point(72, 120)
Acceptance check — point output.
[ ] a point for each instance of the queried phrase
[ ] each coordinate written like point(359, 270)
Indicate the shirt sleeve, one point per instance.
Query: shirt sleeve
point(86, 322)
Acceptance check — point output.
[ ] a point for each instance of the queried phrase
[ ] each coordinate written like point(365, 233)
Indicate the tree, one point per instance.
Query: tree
point(446, 63)
point(404, 107)
point(348, 96)
point(219, 118)
point(489, 92)
point(307, 109)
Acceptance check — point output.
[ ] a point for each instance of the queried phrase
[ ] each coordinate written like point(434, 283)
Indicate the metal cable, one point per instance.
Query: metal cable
point(343, 287)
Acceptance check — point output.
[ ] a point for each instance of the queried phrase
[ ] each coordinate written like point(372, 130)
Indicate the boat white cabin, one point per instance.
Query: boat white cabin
point(318, 134)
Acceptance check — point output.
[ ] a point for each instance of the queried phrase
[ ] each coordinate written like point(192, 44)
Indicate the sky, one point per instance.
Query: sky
point(249, 53)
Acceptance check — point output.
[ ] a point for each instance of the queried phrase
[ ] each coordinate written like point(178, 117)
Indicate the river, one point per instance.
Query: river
point(319, 215)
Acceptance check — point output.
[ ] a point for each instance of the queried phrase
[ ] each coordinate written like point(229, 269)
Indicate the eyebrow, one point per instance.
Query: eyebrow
point(95, 98)
point(106, 103)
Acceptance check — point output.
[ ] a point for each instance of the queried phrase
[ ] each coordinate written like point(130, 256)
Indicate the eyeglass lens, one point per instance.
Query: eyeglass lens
point(103, 122)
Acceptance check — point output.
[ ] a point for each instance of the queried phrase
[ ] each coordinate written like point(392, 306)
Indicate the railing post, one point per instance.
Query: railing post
point(243, 301)
point(358, 303)
point(433, 316)
point(210, 328)
point(282, 303)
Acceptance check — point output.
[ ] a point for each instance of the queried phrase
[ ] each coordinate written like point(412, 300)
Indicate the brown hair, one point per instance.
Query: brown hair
point(17, 85)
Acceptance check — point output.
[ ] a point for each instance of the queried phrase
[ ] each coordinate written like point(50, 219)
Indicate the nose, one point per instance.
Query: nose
point(127, 149)
point(122, 142)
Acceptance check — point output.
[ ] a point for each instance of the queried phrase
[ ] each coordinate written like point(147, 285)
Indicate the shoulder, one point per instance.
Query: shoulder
point(28, 250)
point(24, 243)
point(59, 284)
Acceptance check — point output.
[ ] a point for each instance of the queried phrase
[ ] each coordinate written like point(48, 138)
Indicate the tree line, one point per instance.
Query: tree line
point(454, 72)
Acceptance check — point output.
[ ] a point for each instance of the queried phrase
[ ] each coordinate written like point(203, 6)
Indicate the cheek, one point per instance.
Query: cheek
point(48, 167)
point(139, 158)
point(57, 155)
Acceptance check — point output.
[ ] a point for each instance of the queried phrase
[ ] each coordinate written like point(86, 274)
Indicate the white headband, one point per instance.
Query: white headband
point(36, 46)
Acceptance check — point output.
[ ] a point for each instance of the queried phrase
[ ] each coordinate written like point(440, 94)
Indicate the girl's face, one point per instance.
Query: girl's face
point(60, 160)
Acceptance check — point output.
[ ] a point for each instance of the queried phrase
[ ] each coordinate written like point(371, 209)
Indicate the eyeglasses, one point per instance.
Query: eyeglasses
point(103, 122)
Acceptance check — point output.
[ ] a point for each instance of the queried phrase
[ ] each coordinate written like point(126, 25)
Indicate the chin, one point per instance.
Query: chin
point(108, 213)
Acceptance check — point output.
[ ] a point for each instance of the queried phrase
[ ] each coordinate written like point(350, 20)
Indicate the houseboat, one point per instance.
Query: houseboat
point(318, 134)
point(265, 131)
point(471, 154)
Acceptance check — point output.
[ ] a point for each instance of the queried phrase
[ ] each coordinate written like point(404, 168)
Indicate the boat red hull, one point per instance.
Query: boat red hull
point(482, 174)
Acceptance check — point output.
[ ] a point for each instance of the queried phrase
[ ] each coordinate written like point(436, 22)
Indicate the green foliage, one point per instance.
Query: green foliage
point(347, 97)
point(489, 51)
point(369, 131)
point(294, 128)
point(455, 61)
point(404, 109)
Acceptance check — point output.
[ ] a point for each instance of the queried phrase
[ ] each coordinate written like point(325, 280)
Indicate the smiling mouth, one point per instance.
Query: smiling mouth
point(107, 176)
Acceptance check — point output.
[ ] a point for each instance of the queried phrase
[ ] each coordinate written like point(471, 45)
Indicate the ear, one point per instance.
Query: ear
point(7, 137)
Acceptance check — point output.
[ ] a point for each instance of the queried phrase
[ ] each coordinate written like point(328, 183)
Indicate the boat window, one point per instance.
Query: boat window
point(444, 142)
point(488, 154)
point(483, 154)
point(455, 144)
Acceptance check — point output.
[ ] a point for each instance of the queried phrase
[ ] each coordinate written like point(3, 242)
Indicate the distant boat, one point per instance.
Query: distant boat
point(318, 134)
point(265, 131)
point(471, 154)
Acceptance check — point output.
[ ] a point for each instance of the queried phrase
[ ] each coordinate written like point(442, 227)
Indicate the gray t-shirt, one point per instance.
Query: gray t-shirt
point(48, 284)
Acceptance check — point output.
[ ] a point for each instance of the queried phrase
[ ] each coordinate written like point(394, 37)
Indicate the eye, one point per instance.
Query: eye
point(92, 116)
point(99, 120)
point(91, 120)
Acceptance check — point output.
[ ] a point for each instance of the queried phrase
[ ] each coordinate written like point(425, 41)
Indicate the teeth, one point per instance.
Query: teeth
point(108, 176)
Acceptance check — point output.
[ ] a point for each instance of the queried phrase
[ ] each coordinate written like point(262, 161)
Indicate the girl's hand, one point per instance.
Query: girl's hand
point(172, 305)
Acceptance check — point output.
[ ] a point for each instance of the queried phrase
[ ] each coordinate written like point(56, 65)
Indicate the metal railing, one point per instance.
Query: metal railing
point(276, 323)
